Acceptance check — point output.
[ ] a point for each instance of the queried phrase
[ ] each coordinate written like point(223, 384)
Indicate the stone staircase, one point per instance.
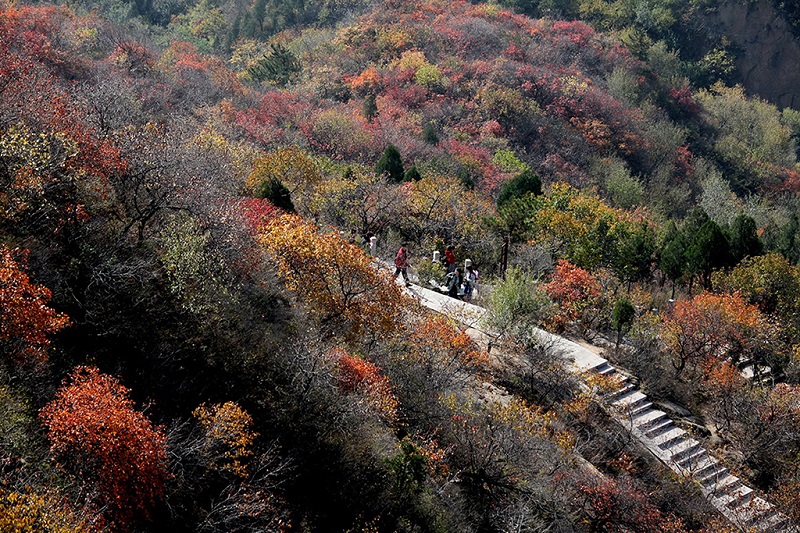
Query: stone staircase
point(652, 427)
point(687, 457)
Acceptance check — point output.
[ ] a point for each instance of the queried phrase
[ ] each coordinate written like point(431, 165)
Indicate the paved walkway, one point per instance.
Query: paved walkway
point(653, 428)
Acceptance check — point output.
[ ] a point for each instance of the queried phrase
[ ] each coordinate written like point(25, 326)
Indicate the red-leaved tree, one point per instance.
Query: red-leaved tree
point(364, 377)
point(574, 290)
point(96, 432)
point(26, 322)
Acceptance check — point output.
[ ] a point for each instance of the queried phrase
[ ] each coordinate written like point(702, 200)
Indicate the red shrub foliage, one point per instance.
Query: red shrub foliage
point(575, 32)
point(684, 171)
point(31, 57)
point(365, 378)
point(573, 289)
point(257, 212)
point(684, 100)
point(276, 112)
point(95, 430)
point(25, 320)
point(619, 506)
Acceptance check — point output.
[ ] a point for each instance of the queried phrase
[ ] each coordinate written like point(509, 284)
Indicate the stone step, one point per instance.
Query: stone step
point(659, 429)
point(684, 449)
point(711, 475)
point(613, 396)
point(735, 501)
point(668, 438)
point(730, 486)
point(749, 372)
point(740, 497)
point(758, 510)
point(604, 368)
point(775, 523)
point(632, 403)
point(726, 485)
point(699, 464)
point(766, 518)
point(639, 408)
point(628, 397)
point(649, 419)
point(692, 460)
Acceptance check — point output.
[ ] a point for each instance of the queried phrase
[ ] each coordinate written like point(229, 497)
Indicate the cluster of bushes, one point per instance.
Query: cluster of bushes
point(181, 271)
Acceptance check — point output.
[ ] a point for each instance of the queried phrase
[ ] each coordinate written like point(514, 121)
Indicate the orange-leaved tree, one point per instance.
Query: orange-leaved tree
point(227, 437)
point(356, 375)
point(97, 433)
point(334, 278)
point(435, 356)
point(711, 326)
point(26, 322)
point(438, 340)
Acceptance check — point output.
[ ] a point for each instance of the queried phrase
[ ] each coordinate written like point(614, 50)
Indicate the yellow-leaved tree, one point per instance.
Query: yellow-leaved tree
point(442, 206)
point(333, 278)
point(290, 166)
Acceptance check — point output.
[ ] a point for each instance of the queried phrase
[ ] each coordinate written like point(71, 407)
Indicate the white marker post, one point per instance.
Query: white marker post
point(373, 246)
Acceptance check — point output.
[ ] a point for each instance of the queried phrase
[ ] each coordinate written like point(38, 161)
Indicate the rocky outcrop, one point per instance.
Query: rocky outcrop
point(768, 63)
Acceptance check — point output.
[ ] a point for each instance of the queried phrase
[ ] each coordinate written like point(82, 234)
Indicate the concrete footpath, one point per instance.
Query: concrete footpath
point(652, 427)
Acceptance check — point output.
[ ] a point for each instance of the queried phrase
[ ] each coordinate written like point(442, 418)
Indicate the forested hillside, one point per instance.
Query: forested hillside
point(193, 337)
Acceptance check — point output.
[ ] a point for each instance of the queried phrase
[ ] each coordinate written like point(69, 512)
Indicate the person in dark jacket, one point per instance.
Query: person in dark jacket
point(454, 282)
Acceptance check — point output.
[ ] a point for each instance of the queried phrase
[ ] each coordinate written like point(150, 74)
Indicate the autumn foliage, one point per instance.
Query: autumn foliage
point(621, 506)
point(26, 322)
point(365, 378)
point(574, 290)
point(335, 279)
point(437, 341)
point(129, 158)
point(227, 437)
point(711, 326)
point(37, 513)
point(97, 433)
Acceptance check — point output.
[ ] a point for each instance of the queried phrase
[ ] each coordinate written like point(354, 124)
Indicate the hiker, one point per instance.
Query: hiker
point(454, 282)
point(401, 263)
point(470, 279)
point(449, 259)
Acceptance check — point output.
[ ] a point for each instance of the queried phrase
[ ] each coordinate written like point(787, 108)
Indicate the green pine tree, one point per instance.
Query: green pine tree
point(278, 66)
point(622, 317)
point(708, 250)
point(391, 164)
point(369, 108)
point(276, 192)
point(525, 183)
point(412, 174)
point(744, 239)
point(429, 134)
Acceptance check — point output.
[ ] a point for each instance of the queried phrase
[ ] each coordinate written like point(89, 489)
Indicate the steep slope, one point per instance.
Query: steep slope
point(769, 53)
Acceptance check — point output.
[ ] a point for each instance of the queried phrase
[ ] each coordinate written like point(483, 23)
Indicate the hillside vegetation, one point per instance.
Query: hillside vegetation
point(192, 337)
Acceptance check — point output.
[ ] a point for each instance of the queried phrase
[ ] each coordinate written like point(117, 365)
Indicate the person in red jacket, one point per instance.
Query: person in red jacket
point(449, 259)
point(401, 263)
